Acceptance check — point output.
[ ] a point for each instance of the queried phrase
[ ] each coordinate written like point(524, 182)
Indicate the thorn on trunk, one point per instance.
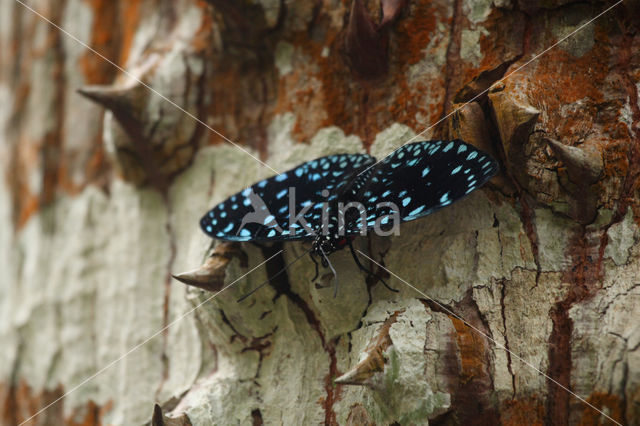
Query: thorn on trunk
point(373, 359)
point(211, 274)
point(114, 98)
point(159, 419)
point(366, 43)
point(514, 117)
point(373, 362)
point(583, 166)
point(127, 103)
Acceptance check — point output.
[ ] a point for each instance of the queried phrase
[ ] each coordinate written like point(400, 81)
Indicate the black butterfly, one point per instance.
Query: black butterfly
point(308, 202)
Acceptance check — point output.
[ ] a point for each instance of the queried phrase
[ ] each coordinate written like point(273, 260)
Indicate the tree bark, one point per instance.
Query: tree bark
point(526, 293)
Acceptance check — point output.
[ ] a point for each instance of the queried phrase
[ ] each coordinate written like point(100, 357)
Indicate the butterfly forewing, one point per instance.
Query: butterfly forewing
point(261, 212)
point(420, 178)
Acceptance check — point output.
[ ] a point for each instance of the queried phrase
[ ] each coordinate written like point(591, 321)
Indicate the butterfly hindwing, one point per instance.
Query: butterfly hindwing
point(422, 177)
point(261, 212)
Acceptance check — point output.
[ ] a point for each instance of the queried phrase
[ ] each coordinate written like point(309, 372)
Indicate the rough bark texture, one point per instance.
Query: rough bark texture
point(100, 198)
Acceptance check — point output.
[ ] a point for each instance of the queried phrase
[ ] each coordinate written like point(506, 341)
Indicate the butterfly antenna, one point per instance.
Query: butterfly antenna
point(276, 275)
point(335, 274)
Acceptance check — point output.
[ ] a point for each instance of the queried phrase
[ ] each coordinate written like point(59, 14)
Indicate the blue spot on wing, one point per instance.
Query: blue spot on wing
point(416, 179)
point(416, 211)
point(261, 212)
point(435, 173)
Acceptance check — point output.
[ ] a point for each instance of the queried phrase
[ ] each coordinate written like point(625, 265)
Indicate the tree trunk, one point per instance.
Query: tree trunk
point(102, 190)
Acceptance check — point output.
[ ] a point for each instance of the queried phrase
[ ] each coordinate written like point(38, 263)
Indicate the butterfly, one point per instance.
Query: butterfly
point(330, 200)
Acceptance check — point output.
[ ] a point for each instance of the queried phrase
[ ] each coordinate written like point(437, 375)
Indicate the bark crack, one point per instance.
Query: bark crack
point(583, 275)
point(528, 221)
point(617, 296)
point(52, 144)
point(167, 292)
point(506, 338)
point(237, 334)
point(452, 56)
point(475, 381)
point(496, 224)
point(261, 345)
point(283, 287)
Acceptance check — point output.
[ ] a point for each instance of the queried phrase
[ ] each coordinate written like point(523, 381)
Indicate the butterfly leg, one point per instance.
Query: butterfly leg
point(362, 268)
point(325, 259)
point(315, 262)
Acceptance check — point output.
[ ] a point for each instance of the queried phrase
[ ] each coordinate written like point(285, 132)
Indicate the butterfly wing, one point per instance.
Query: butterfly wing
point(420, 178)
point(261, 212)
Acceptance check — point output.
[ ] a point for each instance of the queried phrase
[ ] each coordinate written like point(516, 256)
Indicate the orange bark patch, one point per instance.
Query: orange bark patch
point(472, 387)
point(563, 79)
point(19, 402)
point(105, 40)
point(302, 90)
point(28, 206)
point(522, 412)
point(202, 38)
point(610, 404)
point(472, 350)
point(414, 33)
point(130, 16)
point(335, 97)
point(97, 166)
point(339, 94)
point(616, 167)
point(496, 48)
point(226, 115)
point(24, 158)
point(89, 415)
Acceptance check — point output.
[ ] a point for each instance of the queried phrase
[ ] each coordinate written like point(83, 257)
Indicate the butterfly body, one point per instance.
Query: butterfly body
point(324, 245)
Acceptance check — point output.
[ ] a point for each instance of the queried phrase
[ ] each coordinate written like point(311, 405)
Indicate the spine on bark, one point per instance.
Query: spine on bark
point(151, 128)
